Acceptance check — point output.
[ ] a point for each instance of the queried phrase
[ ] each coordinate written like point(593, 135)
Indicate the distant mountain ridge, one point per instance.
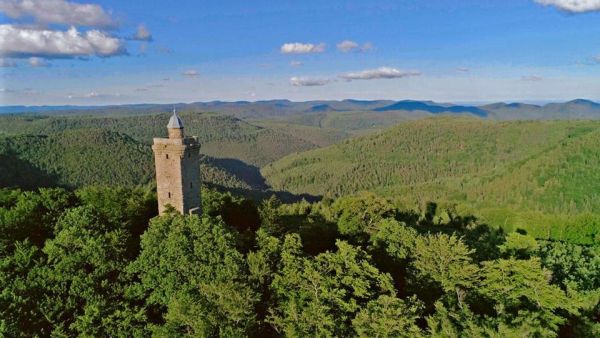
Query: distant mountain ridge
point(574, 109)
point(433, 108)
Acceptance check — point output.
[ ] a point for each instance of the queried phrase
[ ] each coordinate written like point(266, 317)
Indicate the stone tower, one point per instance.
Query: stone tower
point(177, 160)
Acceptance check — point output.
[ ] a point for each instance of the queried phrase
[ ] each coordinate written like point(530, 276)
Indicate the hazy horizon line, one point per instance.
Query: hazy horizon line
point(458, 102)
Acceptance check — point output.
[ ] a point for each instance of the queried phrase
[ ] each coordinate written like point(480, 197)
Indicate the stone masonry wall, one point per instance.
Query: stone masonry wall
point(177, 164)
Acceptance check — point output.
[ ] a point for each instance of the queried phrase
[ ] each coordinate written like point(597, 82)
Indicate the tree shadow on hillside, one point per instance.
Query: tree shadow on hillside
point(482, 237)
point(18, 173)
point(251, 176)
point(259, 195)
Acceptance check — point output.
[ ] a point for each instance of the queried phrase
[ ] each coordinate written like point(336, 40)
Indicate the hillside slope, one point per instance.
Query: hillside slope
point(221, 136)
point(534, 166)
point(90, 157)
point(73, 159)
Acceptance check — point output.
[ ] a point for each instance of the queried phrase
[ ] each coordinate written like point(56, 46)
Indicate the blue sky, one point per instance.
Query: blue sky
point(184, 51)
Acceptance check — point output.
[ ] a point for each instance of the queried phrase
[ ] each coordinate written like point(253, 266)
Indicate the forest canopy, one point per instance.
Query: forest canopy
point(99, 262)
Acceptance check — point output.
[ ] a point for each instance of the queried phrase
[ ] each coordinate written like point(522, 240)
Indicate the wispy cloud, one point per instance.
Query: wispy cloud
point(31, 42)
point(94, 95)
point(301, 48)
point(463, 69)
point(296, 63)
point(38, 62)
point(573, 6)
point(164, 50)
point(59, 12)
point(142, 48)
point(531, 78)
point(191, 73)
point(149, 87)
point(379, 73)
point(308, 82)
point(142, 34)
point(27, 91)
point(349, 46)
point(366, 47)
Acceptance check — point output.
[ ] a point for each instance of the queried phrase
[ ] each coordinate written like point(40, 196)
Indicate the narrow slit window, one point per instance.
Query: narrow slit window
point(167, 156)
point(169, 194)
point(190, 184)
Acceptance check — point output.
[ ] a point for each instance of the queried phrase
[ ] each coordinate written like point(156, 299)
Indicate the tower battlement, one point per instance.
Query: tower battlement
point(177, 160)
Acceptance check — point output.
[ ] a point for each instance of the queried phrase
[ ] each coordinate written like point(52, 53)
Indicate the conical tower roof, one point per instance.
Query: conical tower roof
point(175, 122)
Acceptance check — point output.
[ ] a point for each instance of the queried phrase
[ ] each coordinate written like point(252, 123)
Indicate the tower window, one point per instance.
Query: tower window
point(189, 155)
point(169, 194)
point(167, 156)
point(190, 184)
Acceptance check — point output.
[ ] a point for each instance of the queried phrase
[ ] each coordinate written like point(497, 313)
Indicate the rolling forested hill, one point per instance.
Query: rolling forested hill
point(353, 123)
point(73, 159)
point(98, 157)
point(513, 174)
point(221, 136)
point(495, 169)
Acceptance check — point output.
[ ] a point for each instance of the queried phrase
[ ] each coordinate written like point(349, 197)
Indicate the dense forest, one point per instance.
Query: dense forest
point(220, 135)
point(534, 175)
point(97, 262)
point(85, 157)
point(528, 174)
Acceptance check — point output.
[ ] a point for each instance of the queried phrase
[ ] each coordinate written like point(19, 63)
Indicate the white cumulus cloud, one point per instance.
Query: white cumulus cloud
point(379, 73)
point(307, 82)
point(58, 11)
point(301, 48)
point(347, 45)
point(574, 6)
point(32, 42)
